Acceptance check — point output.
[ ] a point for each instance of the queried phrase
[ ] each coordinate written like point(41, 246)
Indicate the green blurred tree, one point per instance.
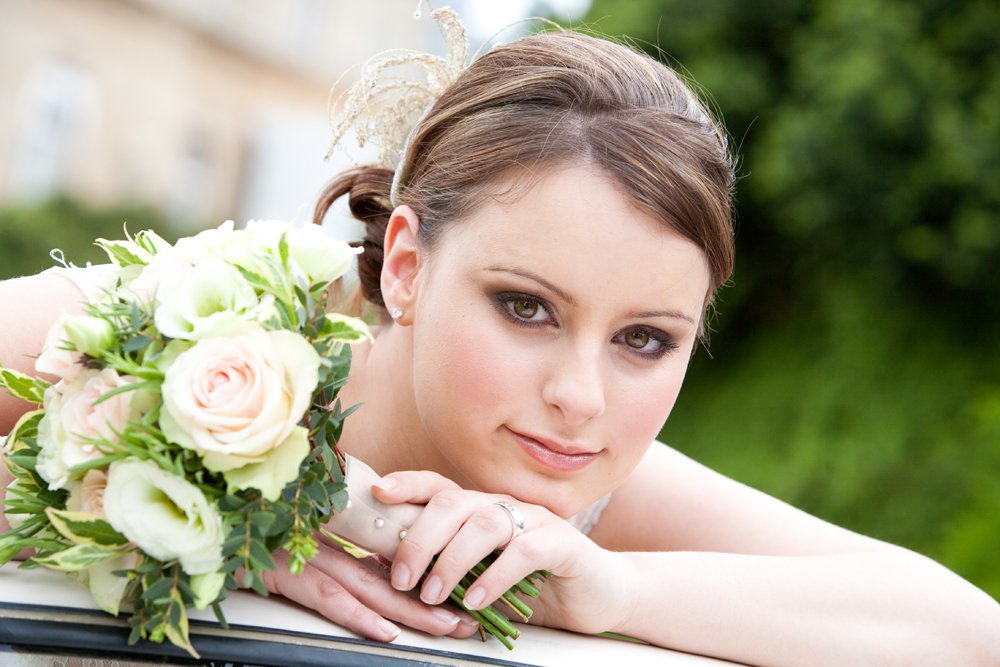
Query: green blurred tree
point(856, 368)
point(867, 132)
point(30, 231)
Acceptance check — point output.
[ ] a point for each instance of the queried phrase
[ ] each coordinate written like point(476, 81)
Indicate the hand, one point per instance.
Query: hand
point(356, 595)
point(460, 527)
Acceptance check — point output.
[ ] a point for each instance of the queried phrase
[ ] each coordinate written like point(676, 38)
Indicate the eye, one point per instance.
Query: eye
point(523, 309)
point(646, 341)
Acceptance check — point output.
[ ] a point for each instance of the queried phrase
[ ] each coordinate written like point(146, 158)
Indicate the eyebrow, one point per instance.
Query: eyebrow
point(645, 314)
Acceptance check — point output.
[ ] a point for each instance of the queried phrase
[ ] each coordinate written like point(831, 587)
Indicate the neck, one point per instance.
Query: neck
point(386, 431)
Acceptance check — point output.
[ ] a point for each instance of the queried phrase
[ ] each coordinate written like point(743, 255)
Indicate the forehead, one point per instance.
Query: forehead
point(574, 226)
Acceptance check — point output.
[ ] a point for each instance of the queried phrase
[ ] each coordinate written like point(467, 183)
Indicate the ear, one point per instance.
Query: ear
point(401, 262)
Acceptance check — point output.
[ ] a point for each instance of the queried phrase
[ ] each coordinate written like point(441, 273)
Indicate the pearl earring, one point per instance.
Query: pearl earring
point(395, 313)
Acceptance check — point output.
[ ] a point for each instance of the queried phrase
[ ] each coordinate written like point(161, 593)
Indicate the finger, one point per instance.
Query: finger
point(315, 590)
point(444, 516)
point(486, 529)
point(529, 552)
point(366, 581)
point(411, 486)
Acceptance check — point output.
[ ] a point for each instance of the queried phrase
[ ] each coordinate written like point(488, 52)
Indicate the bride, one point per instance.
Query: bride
point(544, 256)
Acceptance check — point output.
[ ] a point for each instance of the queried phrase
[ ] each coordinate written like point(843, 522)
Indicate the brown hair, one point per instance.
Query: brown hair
point(558, 97)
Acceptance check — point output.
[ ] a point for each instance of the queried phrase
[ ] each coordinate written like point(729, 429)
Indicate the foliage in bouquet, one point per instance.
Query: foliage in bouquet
point(192, 431)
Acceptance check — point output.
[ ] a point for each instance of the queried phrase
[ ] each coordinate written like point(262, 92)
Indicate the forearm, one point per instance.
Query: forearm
point(858, 609)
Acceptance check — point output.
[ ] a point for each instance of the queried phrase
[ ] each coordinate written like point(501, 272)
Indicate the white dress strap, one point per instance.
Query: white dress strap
point(587, 518)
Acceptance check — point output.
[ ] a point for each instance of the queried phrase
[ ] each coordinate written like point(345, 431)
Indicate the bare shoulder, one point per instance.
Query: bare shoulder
point(671, 502)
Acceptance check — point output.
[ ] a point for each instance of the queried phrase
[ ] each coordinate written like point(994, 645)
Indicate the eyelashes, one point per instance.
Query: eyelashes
point(526, 310)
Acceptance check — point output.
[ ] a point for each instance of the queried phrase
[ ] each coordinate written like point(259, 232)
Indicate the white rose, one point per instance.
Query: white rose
point(72, 418)
point(320, 256)
point(88, 495)
point(165, 515)
point(236, 400)
point(190, 302)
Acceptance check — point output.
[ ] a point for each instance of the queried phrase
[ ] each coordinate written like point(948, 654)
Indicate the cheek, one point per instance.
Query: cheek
point(645, 406)
point(463, 367)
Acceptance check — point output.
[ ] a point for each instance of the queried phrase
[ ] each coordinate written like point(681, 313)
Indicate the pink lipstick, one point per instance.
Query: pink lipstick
point(554, 455)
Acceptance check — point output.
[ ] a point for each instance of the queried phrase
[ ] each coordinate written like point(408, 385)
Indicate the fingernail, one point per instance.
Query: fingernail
point(474, 598)
point(388, 628)
point(400, 577)
point(445, 616)
point(385, 483)
point(469, 623)
point(431, 590)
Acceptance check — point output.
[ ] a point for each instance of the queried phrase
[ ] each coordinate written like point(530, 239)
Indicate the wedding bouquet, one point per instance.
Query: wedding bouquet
point(193, 429)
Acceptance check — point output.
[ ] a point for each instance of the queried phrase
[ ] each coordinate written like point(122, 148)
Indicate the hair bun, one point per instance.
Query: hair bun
point(367, 188)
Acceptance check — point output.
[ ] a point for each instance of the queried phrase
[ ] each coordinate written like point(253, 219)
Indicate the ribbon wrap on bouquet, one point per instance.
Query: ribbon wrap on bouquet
point(366, 521)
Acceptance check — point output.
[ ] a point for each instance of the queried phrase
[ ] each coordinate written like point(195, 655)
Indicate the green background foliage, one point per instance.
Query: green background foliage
point(28, 232)
point(854, 368)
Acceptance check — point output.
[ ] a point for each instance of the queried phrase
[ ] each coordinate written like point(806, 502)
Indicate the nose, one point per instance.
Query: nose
point(574, 386)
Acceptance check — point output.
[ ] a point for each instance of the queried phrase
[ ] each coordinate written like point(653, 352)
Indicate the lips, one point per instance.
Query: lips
point(556, 456)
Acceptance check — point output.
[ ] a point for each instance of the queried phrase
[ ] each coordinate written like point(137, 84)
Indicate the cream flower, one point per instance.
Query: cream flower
point(88, 495)
point(73, 417)
point(191, 301)
point(320, 256)
point(82, 333)
point(165, 515)
point(236, 400)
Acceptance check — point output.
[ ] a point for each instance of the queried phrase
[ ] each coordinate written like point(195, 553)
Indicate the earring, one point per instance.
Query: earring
point(396, 312)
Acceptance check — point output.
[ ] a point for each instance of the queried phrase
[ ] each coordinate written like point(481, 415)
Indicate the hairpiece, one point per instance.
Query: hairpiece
point(389, 107)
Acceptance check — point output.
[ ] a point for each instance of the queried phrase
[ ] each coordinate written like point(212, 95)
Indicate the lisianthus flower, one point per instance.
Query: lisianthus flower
point(319, 256)
point(192, 300)
point(166, 516)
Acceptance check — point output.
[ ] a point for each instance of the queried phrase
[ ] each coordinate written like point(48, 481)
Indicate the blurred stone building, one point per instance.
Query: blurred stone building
point(206, 109)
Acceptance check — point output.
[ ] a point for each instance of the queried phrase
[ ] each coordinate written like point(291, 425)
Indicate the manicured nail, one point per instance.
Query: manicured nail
point(400, 577)
point(445, 616)
point(474, 598)
point(469, 623)
point(386, 483)
point(431, 590)
point(388, 628)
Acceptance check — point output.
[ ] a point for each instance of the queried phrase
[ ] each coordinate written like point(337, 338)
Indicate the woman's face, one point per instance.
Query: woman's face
point(551, 337)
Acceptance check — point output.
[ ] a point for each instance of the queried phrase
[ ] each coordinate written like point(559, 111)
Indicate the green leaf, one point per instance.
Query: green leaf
point(148, 385)
point(119, 253)
point(83, 528)
point(260, 555)
point(283, 250)
point(23, 386)
point(177, 628)
point(158, 589)
point(263, 521)
point(79, 557)
point(136, 343)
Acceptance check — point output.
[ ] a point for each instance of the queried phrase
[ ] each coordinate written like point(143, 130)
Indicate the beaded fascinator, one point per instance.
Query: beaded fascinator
point(386, 107)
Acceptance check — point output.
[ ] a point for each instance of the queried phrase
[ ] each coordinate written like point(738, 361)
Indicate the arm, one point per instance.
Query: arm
point(30, 305)
point(687, 559)
point(731, 572)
